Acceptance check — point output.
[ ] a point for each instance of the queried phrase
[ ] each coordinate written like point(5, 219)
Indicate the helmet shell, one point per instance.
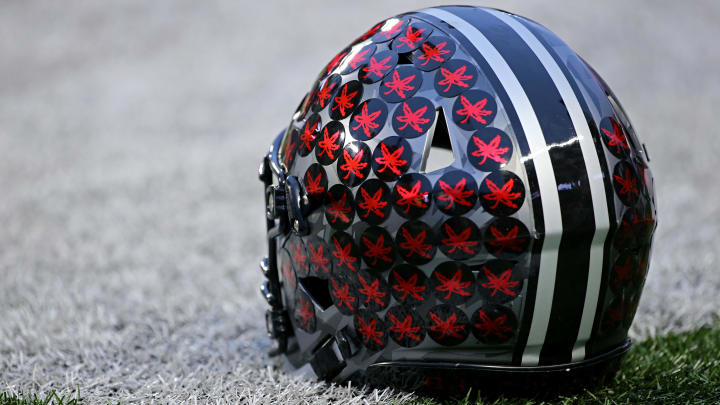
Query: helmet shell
point(478, 196)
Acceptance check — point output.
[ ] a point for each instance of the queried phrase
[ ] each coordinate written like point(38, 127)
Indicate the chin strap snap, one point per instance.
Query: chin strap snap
point(277, 320)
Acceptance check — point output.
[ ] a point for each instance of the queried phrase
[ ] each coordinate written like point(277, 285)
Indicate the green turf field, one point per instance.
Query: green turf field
point(675, 369)
point(51, 398)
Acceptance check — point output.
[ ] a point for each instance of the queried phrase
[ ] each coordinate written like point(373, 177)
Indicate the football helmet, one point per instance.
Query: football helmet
point(459, 200)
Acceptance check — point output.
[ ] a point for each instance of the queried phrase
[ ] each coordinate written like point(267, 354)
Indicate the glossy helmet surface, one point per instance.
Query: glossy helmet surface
point(459, 196)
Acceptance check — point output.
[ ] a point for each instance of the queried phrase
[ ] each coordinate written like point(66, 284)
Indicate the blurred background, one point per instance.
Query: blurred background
point(131, 218)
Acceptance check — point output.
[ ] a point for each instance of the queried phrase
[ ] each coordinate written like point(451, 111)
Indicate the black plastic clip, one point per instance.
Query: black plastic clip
point(286, 209)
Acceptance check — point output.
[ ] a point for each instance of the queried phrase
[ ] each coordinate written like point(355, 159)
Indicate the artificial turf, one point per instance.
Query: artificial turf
point(679, 368)
point(51, 398)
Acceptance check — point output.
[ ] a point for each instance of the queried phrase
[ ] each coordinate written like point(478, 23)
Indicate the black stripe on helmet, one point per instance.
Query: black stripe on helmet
point(600, 102)
point(571, 176)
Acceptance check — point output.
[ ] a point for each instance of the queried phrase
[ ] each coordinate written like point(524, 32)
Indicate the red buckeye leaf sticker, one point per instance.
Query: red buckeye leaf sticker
point(405, 326)
point(413, 36)
point(346, 99)
point(415, 242)
point(378, 66)
point(319, 257)
point(474, 109)
point(625, 183)
point(370, 329)
point(329, 142)
point(389, 30)
point(304, 312)
point(343, 294)
point(494, 324)
point(391, 158)
point(408, 285)
point(624, 273)
point(325, 94)
point(411, 195)
point(377, 248)
point(307, 135)
point(489, 149)
point(459, 238)
point(614, 137)
point(358, 57)
point(401, 84)
point(287, 270)
point(636, 228)
point(298, 253)
point(373, 201)
point(413, 117)
point(339, 211)
point(452, 282)
point(455, 192)
point(506, 237)
point(315, 182)
point(455, 77)
point(368, 119)
point(447, 325)
point(501, 193)
point(345, 255)
point(373, 291)
point(353, 166)
point(499, 281)
point(435, 51)
point(289, 148)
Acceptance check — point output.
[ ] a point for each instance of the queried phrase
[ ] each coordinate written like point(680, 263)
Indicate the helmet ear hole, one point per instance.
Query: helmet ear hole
point(439, 152)
point(317, 290)
point(404, 59)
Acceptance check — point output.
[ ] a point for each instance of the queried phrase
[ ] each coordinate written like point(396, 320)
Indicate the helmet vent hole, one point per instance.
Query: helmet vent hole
point(404, 59)
point(318, 291)
point(439, 151)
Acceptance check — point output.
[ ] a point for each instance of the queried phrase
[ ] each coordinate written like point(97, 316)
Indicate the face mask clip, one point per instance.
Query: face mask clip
point(286, 208)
